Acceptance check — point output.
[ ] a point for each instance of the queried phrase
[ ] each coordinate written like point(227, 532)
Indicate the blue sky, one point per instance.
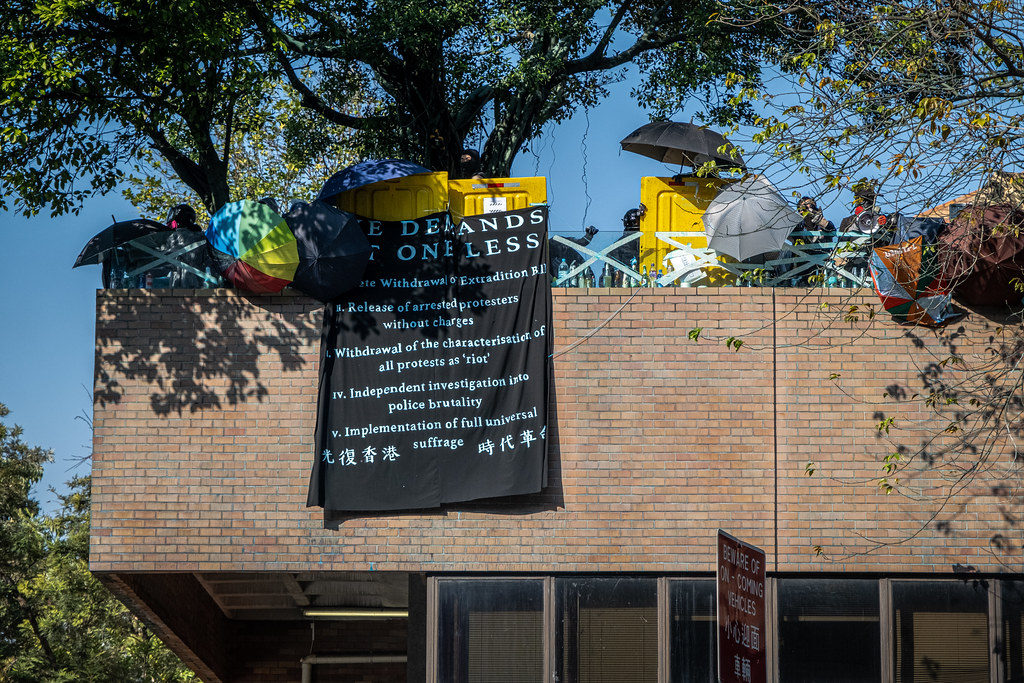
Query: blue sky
point(46, 349)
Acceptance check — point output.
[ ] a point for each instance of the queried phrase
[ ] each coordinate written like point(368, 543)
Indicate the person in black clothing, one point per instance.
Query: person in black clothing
point(626, 253)
point(558, 251)
point(182, 219)
point(469, 164)
point(866, 218)
point(814, 221)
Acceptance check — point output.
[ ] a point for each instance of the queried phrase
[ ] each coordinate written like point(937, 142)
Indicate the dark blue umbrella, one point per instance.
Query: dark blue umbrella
point(333, 251)
point(367, 172)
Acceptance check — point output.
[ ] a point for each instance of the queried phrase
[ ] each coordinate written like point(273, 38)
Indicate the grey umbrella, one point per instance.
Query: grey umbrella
point(748, 218)
point(682, 143)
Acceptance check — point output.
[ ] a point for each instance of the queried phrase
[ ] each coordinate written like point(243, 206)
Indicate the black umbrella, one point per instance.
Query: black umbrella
point(118, 234)
point(681, 143)
point(173, 258)
point(333, 251)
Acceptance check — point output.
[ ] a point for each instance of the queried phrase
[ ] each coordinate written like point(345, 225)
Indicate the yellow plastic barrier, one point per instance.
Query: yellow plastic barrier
point(677, 206)
point(405, 198)
point(479, 196)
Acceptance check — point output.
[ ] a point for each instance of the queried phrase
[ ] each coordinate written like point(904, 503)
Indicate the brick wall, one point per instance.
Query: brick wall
point(205, 408)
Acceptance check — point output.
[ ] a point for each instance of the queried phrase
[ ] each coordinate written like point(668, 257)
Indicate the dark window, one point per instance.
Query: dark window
point(491, 631)
point(693, 627)
point(607, 630)
point(829, 631)
point(1013, 629)
point(941, 631)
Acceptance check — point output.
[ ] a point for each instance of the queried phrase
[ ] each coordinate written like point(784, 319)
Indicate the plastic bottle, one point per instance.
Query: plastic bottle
point(563, 270)
point(574, 281)
point(632, 266)
point(606, 275)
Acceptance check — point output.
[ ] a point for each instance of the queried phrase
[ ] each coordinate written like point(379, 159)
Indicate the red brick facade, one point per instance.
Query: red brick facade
point(205, 409)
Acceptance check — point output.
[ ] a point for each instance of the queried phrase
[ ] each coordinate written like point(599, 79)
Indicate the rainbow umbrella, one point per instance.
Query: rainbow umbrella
point(908, 279)
point(254, 247)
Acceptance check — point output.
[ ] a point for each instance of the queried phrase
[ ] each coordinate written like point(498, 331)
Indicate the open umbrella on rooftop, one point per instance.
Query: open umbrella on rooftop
point(367, 172)
point(748, 218)
point(688, 144)
point(118, 234)
point(983, 253)
point(139, 247)
point(253, 246)
point(910, 282)
point(333, 250)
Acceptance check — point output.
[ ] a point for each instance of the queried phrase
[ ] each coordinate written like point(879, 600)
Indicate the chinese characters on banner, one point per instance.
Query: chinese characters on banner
point(434, 372)
point(741, 617)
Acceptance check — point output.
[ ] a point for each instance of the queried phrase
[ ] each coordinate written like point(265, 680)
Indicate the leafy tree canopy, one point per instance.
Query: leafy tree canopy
point(57, 622)
point(922, 97)
point(87, 87)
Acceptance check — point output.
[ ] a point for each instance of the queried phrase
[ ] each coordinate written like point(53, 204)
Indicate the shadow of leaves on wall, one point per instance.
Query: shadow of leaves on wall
point(199, 349)
point(963, 442)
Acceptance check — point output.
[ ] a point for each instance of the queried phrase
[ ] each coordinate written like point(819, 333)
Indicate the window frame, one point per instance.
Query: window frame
point(663, 588)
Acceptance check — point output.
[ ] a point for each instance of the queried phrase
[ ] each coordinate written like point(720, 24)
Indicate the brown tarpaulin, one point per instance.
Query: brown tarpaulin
point(983, 255)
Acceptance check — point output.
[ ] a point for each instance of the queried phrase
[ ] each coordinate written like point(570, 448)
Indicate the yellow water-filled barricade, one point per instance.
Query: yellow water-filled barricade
point(423, 194)
point(478, 196)
point(400, 199)
point(676, 205)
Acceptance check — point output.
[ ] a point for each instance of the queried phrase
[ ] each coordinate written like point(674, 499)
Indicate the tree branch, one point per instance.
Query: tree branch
point(310, 100)
point(32, 621)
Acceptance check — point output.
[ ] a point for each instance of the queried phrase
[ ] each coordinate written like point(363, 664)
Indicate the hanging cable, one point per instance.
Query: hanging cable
point(595, 330)
point(583, 175)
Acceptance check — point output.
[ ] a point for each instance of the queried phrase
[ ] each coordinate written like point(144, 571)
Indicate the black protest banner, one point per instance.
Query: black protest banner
point(435, 371)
